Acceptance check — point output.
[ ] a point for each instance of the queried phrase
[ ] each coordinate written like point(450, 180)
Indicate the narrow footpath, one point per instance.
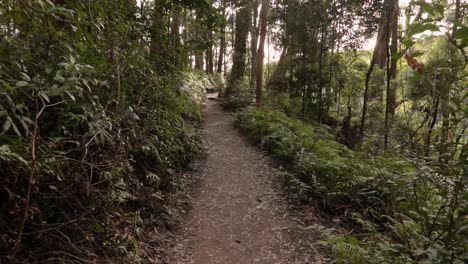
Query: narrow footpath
point(240, 213)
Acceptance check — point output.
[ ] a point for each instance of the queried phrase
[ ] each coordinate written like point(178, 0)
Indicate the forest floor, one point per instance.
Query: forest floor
point(240, 212)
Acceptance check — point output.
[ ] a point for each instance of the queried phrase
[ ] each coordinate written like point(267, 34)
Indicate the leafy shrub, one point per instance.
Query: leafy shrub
point(194, 85)
point(336, 174)
point(238, 101)
point(241, 96)
point(284, 102)
point(87, 138)
point(406, 213)
point(218, 83)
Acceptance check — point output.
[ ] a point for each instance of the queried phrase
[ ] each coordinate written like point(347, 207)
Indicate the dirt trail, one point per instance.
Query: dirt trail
point(239, 213)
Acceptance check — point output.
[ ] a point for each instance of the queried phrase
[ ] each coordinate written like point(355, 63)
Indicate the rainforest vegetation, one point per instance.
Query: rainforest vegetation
point(362, 103)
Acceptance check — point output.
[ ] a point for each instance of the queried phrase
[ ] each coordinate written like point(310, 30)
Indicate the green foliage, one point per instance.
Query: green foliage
point(406, 213)
point(284, 102)
point(240, 97)
point(218, 83)
point(336, 175)
point(90, 129)
point(194, 85)
point(310, 34)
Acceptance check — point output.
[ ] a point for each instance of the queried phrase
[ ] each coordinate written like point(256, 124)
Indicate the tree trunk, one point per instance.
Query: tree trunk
point(379, 56)
point(209, 54)
point(157, 30)
point(328, 89)
point(222, 50)
point(394, 52)
point(261, 51)
point(240, 47)
point(321, 67)
point(199, 60)
point(392, 83)
point(254, 42)
point(175, 27)
point(222, 46)
point(388, 103)
point(366, 95)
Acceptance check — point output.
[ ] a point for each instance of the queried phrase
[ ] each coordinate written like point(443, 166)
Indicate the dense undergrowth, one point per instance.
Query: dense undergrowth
point(241, 96)
point(401, 212)
point(92, 132)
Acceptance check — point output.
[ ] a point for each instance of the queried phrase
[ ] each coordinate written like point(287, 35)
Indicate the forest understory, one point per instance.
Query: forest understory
point(358, 110)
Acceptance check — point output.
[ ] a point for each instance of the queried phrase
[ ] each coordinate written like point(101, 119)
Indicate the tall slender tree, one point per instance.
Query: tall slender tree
point(222, 45)
point(157, 30)
point(199, 59)
point(175, 27)
point(254, 41)
point(392, 71)
point(243, 23)
point(261, 51)
point(209, 53)
point(379, 55)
